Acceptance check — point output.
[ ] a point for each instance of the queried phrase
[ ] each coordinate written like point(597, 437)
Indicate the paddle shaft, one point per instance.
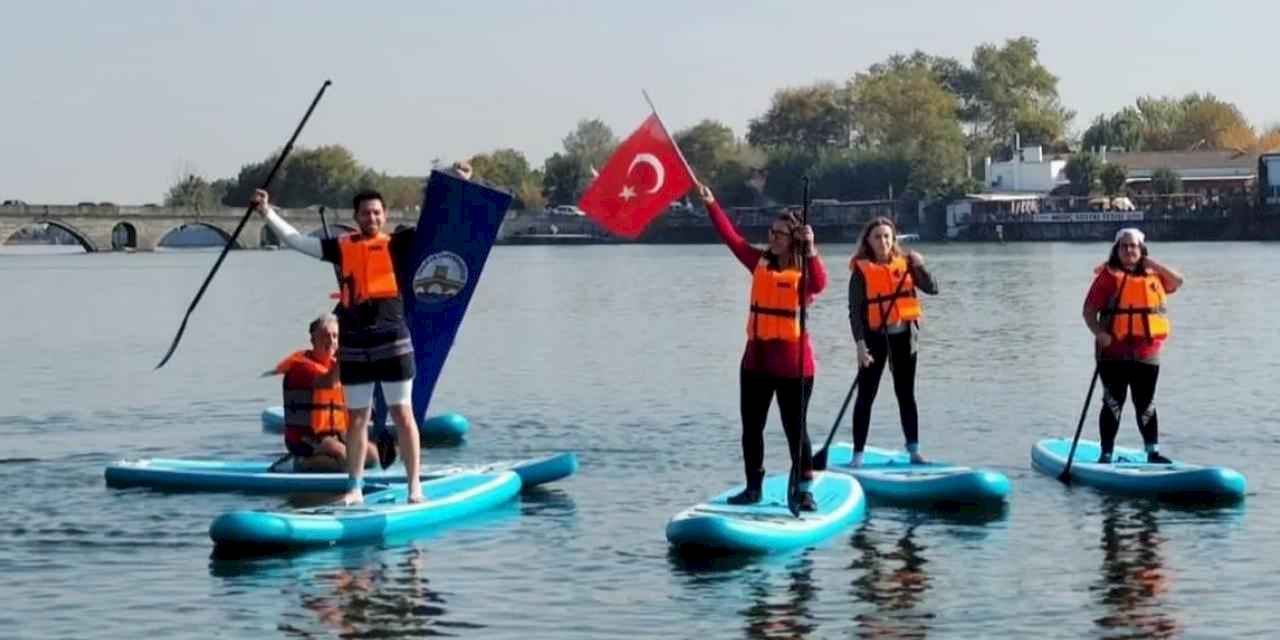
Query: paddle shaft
point(796, 449)
point(820, 458)
point(1097, 370)
point(243, 219)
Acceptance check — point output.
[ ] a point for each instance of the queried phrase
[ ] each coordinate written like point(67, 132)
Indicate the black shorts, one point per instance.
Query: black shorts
point(393, 369)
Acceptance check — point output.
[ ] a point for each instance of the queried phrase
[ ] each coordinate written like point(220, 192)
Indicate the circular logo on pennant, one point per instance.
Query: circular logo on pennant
point(440, 277)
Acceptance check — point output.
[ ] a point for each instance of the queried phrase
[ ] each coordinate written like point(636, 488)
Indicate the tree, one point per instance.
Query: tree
point(1123, 130)
point(193, 192)
point(903, 109)
point(809, 118)
point(528, 194)
point(1011, 89)
point(591, 143)
point(563, 179)
point(1113, 177)
point(1083, 170)
point(1165, 181)
point(506, 168)
point(325, 175)
point(706, 146)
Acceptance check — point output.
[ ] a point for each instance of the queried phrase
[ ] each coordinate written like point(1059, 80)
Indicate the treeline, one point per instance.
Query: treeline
point(915, 126)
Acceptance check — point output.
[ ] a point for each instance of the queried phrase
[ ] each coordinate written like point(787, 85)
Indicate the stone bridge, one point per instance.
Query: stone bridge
point(111, 227)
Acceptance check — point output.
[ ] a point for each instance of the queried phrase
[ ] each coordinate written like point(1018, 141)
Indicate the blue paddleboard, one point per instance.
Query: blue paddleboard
point(1130, 473)
point(889, 476)
point(767, 526)
point(444, 428)
point(384, 513)
point(256, 477)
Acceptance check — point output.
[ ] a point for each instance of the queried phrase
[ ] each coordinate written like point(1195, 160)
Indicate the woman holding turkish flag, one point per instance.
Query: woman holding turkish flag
point(771, 363)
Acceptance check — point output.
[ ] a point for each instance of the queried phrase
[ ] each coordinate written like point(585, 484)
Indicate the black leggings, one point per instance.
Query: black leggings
point(757, 391)
point(904, 386)
point(1118, 377)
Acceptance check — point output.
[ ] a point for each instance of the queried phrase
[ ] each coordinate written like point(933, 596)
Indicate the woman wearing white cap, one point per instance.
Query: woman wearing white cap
point(1125, 310)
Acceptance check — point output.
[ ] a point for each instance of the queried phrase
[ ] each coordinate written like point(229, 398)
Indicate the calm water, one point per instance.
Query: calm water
point(628, 355)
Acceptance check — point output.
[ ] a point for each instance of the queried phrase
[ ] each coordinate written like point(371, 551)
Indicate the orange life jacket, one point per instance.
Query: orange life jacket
point(1138, 310)
point(367, 271)
point(320, 410)
point(775, 304)
point(884, 295)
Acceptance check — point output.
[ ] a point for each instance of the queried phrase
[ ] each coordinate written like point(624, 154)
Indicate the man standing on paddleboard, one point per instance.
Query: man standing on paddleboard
point(376, 349)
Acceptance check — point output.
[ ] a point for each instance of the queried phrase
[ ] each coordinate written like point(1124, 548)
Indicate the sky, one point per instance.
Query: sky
point(113, 101)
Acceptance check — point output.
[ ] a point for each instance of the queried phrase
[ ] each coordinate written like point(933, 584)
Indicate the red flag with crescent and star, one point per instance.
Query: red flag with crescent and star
point(644, 175)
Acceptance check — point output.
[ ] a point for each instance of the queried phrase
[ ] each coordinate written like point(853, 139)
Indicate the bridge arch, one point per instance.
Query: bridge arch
point(335, 230)
point(124, 236)
point(80, 237)
point(222, 234)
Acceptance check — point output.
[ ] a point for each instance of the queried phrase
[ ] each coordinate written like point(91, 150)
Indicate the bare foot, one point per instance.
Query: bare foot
point(417, 498)
point(353, 497)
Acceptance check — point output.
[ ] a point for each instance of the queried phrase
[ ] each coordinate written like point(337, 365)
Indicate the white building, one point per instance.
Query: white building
point(1028, 172)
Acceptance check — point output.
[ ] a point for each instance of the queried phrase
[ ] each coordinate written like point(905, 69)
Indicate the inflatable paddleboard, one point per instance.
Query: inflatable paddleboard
point(890, 476)
point(1130, 473)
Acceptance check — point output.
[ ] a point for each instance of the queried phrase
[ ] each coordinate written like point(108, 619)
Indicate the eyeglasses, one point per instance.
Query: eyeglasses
point(779, 232)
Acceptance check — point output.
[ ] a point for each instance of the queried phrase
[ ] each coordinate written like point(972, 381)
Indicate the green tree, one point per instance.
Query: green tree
point(564, 178)
point(1012, 89)
point(1123, 130)
point(325, 175)
point(1165, 181)
point(1083, 170)
point(786, 168)
point(810, 118)
point(706, 146)
point(506, 168)
point(528, 193)
point(903, 108)
point(192, 192)
point(591, 143)
point(1113, 177)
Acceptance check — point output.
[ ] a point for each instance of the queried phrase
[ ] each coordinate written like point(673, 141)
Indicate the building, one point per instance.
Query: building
point(1203, 173)
point(1030, 171)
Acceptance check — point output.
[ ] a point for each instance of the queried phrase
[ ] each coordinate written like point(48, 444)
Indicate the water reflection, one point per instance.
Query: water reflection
point(1135, 580)
point(785, 613)
point(781, 589)
point(351, 592)
point(895, 581)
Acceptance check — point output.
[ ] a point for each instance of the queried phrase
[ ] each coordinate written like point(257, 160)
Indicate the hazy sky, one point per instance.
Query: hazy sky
point(113, 100)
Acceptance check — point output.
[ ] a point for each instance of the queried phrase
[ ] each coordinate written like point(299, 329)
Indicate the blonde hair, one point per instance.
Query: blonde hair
point(864, 250)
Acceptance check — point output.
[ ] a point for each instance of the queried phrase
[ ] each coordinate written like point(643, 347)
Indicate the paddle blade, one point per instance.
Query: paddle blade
point(176, 339)
point(820, 460)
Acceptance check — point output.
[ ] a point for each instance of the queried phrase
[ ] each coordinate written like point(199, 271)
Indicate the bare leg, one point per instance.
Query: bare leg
point(407, 433)
point(357, 440)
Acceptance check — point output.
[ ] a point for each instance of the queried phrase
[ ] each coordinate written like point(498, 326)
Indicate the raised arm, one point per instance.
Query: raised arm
point(743, 251)
point(284, 230)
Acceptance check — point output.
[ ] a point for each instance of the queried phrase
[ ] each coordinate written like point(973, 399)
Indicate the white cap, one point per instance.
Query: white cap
point(1137, 234)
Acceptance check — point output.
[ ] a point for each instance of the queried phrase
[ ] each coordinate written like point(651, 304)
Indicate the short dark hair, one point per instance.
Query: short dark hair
point(367, 194)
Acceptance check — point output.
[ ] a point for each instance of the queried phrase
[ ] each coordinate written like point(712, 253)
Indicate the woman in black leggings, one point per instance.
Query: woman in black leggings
point(1125, 311)
point(884, 313)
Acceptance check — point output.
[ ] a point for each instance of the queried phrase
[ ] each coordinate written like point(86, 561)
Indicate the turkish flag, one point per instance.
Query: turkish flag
point(642, 177)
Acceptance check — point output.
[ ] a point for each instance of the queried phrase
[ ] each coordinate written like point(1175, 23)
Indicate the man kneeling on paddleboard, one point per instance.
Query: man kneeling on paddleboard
point(376, 346)
point(315, 411)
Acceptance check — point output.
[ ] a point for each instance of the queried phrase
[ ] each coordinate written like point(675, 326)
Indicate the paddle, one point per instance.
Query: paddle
point(1065, 476)
point(820, 458)
point(243, 219)
point(793, 479)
